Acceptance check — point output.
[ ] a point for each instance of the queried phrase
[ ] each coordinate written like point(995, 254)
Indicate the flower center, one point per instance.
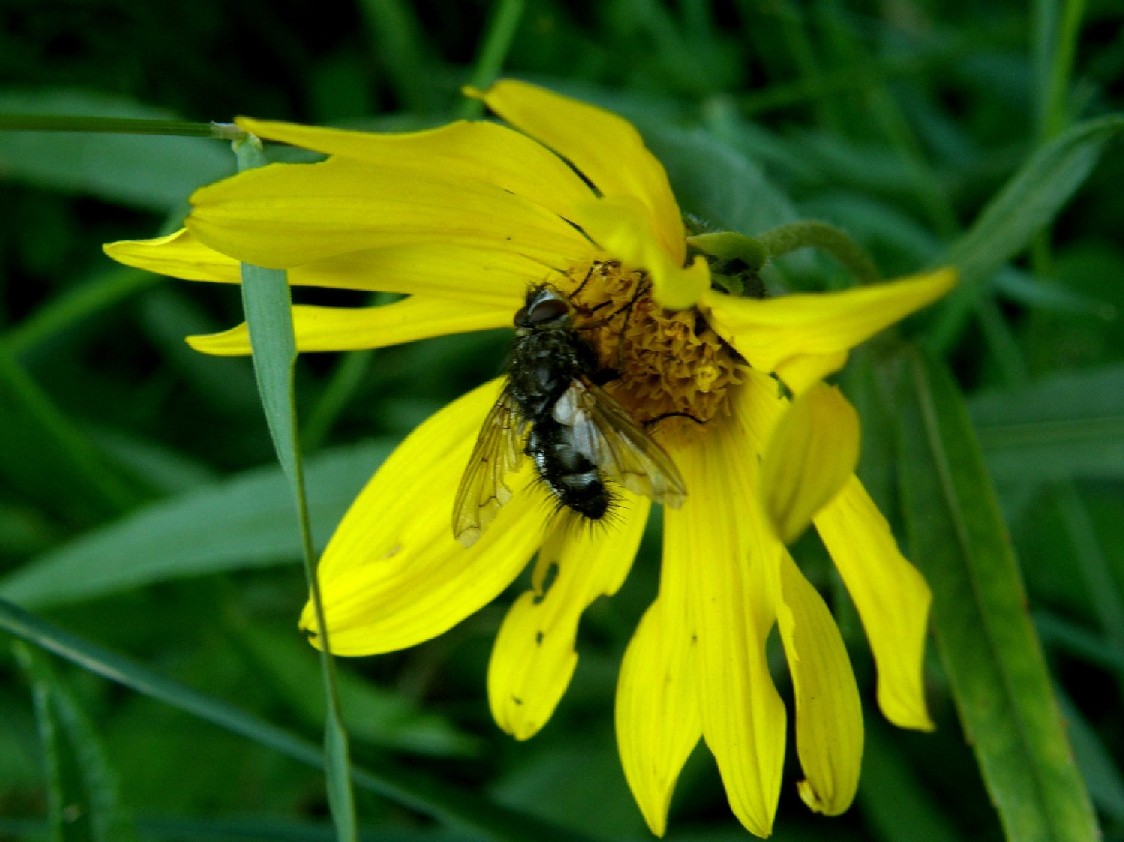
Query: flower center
point(672, 370)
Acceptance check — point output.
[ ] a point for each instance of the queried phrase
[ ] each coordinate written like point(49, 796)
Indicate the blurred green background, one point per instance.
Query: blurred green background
point(140, 510)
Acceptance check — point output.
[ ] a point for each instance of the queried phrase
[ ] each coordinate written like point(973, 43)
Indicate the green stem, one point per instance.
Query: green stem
point(342, 386)
point(117, 125)
point(76, 305)
point(467, 811)
point(1054, 112)
point(20, 395)
point(497, 42)
point(810, 233)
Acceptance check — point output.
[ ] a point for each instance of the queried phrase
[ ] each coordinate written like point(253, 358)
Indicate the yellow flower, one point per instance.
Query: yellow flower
point(463, 219)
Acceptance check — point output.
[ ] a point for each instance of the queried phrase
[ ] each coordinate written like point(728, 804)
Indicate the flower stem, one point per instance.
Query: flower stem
point(499, 35)
point(808, 232)
point(117, 125)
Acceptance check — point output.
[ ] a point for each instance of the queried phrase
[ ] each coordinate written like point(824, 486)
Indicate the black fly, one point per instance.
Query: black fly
point(552, 410)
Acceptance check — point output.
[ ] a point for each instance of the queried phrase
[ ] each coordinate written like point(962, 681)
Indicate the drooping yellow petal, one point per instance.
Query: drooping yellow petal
point(621, 227)
point(285, 215)
point(465, 152)
point(829, 721)
point(478, 275)
point(657, 710)
point(726, 549)
point(803, 338)
point(810, 455)
point(605, 148)
point(349, 329)
point(393, 575)
point(533, 657)
point(178, 255)
point(891, 596)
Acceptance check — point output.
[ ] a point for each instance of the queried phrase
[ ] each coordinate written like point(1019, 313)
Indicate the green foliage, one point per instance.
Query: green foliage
point(157, 685)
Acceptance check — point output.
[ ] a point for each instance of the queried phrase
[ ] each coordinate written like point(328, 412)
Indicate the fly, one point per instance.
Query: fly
point(552, 409)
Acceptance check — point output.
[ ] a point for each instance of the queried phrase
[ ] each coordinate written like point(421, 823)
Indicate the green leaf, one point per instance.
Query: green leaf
point(912, 813)
point(1027, 203)
point(1106, 784)
point(267, 306)
point(153, 172)
point(374, 715)
point(245, 521)
point(464, 810)
point(48, 457)
point(82, 789)
point(1066, 425)
point(715, 181)
point(1032, 198)
point(984, 636)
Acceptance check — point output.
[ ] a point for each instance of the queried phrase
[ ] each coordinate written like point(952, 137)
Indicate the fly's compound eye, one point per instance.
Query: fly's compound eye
point(547, 310)
point(542, 308)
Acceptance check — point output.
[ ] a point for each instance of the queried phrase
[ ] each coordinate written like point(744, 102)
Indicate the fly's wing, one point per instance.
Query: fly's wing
point(482, 492)
point(604, 432)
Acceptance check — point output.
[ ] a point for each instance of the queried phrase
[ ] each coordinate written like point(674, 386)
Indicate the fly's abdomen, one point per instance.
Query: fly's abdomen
point(572, 478)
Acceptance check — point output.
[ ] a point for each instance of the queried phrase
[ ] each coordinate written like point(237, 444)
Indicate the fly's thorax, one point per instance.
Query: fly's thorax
point(670, 369)
point(544, 362)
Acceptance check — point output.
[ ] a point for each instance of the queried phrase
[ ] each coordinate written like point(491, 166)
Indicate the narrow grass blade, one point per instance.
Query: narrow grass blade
point(1030, 200)
point(267, 306)
point(1063, 426)
point(241, 522)
point(455, 807)
point(83, 799)
point(911, 812)
point(48, 457)
point(111, 151)
point(984, 635)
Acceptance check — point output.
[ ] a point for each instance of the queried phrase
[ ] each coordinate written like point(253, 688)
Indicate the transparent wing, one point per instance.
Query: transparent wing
point(482, 491)
point(606, 434)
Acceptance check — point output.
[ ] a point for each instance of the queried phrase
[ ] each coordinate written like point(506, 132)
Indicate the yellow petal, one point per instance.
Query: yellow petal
point(657, 710)
point(620, 226)
point(727, 550)
point(534, 658)
point(829, 721)
point(476, 274)
point(179, 255)
point(891, 597)
point(811, 454)
point(468, 152)
point(393, 575)
point(285, 215)
point(349, 329)
point(803, 338)
point(605, 148)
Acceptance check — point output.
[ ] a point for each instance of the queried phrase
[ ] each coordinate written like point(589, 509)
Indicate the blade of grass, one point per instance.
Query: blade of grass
point(267, 306)
point(342, 386)
point(54, 455)
point(83, 801)
point(102, 292)
point(911, 813)
point(1031, 198)
point(401, 48)
point(456, 807)
point(1054, 54)
point(107, 146)
point(1106, 784)
point(1066, 425)
point(984, 636)
point(234, 524)
point(495, 44)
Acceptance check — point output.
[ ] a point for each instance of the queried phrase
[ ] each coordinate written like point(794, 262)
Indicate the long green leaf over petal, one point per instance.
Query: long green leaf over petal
point(984, 635)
